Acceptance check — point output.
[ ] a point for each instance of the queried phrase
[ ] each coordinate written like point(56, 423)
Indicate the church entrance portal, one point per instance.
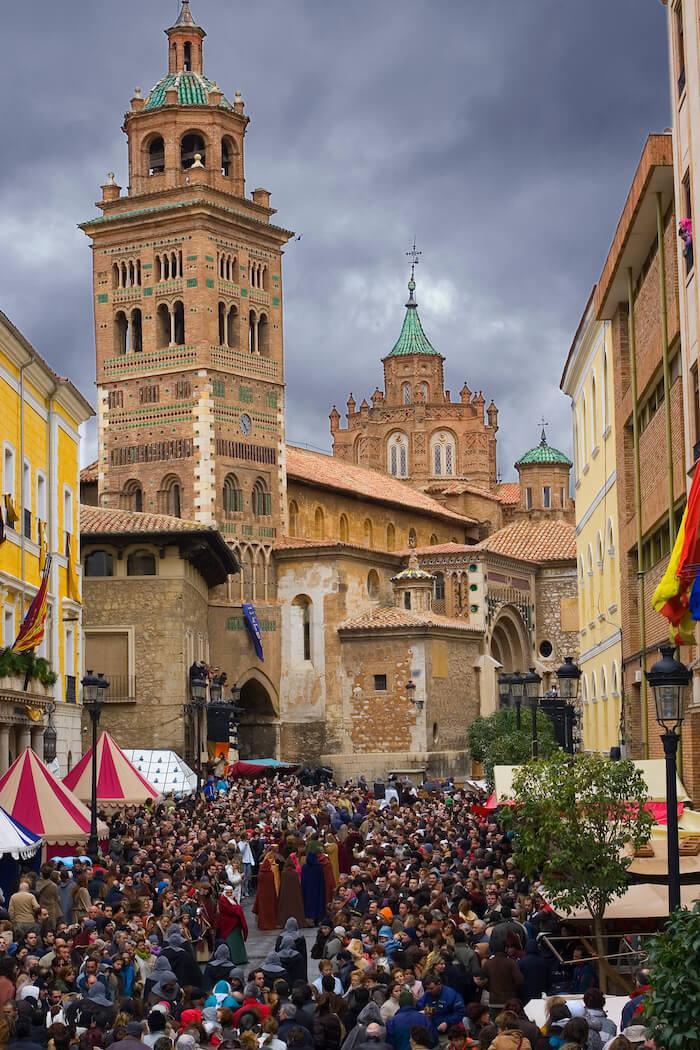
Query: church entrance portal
point(257, 733)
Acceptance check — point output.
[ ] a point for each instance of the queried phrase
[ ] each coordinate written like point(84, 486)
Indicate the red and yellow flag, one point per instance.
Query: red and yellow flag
point(671, 597)
point(31, 633)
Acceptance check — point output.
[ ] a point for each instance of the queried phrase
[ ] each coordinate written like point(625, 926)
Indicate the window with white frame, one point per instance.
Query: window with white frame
point(8, 470)
point(442, 454)
point(40, 496)
point(8, 626)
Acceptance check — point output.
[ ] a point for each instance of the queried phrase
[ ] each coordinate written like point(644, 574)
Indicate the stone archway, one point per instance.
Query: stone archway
point(510, 643)
point(258, 733)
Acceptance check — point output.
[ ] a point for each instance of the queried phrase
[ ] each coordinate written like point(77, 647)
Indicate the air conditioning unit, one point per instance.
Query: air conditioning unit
point(638, 676)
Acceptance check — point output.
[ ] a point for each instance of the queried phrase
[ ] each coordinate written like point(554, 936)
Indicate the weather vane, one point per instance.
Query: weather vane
point(414, 254)
point(543, 423)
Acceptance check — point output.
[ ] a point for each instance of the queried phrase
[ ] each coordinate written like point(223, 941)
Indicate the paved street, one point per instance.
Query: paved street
point(260, 943)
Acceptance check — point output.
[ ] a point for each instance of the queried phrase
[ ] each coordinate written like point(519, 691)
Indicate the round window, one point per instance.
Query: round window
point(546, 649)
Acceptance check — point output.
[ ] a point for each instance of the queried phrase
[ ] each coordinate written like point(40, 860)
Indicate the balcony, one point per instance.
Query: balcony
point(121, 689)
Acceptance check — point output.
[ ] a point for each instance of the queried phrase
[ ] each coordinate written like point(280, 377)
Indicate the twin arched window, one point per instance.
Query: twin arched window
point(132, 496)
point(233, 495)
point(261, 499)
point(141, 563)
point(397, 455)
point(443, 454)
point(171, 496)
point(99, 563)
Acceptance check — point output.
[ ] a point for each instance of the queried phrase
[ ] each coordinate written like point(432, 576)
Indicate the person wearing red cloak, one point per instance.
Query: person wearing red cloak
point(265, 904)
point(232, 927)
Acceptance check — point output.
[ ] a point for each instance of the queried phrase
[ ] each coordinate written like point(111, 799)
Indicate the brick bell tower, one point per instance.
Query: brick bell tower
point(188, 319)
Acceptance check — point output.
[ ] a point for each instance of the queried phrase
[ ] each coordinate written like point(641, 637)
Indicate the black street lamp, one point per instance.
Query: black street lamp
point(50, 738)
point(504, 690)
point(533, 681)
point(411, 693)
point(517, 690)
point(569, 677)
point(93, 690)
point(669, 679)
point(198, 693)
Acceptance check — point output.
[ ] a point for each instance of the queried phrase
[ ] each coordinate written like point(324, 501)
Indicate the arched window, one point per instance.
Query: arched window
point(390, 537)
point(584, 431)
point(584, 688)
point(406, 393)
point(439, 587)
point(263, 336)
point(233, 495)
point(344, 529)
point(433, 540)
point(132, 496)
point(368, 533)
point(232, 327)
point(228, 151)
point(610, 539)
point(397, 455)
point(261, 499)
point(301, 629)
point(162, 326)
point(156, 156)
point(604, 398)
point(412, 538)
point(442, 454)
point(615, 678)
point(222, 324)
point(171, 496)
point(293, 518)
point(190, 146)
point(319, 524)
point(141, 563)
point(594, 414)
point(603, 683)
point(187, 59)
point(121, 332)
point(116, 276)
point(594, 686)
point(99, 563)
point(266, 279)
point(253, 332)
point(373, 585)
point(136, 330)
point(179, 323)
point(424, 391)
point(599, 551)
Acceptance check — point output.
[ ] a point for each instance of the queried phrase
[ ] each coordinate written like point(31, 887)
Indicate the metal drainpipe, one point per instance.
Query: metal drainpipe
point(666, 367)
point(638, 508)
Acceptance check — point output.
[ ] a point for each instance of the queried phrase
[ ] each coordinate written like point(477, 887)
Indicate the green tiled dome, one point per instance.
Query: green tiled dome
point(192, 90)
point(413, 339)
point(544, 453)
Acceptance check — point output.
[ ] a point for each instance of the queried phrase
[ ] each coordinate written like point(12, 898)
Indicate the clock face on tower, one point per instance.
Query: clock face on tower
point(246, 424)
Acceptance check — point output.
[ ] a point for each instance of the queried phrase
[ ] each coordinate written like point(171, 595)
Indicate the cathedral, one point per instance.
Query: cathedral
point(362, 601)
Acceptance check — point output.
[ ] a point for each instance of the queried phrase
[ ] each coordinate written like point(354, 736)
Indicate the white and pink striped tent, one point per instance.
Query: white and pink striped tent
point(33, 796)
point(119, 783)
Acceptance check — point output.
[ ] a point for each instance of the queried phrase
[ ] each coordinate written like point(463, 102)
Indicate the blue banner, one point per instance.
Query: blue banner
point(251, 621)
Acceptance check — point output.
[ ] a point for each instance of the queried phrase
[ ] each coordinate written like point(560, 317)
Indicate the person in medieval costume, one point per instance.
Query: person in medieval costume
point(265, 904)
point(313, 888)
point(233, 928)
point(290, 903)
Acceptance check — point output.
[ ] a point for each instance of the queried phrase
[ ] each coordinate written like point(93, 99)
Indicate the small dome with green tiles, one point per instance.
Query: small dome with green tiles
point(192, 90)
point(544, 453)
point(413, 339)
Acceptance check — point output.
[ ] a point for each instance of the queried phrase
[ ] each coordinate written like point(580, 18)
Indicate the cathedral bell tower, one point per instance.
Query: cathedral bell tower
point(188, 318)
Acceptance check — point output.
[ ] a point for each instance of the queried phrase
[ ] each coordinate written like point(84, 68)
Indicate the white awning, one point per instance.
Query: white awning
point(652, 769)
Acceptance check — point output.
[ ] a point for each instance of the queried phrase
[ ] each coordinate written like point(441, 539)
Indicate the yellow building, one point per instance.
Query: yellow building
point(40, 416)
point(588, 381)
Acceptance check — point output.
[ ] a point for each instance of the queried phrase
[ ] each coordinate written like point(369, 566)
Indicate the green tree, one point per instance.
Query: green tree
point(573, 817)
point(495, 740)
point(671, 1008)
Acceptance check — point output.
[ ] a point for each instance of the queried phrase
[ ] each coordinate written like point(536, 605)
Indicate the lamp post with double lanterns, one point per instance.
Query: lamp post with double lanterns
point(568, 679)
point(669, 679)
point(198, 699)
point(517, 691)
point(94, 686)
point(532, 682)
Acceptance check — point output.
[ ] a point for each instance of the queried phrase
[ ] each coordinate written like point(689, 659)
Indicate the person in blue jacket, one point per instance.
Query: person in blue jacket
point(442, 1005)
point(398, 1029)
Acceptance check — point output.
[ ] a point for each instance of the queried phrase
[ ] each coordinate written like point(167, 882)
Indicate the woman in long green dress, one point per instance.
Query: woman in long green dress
point(232, 927)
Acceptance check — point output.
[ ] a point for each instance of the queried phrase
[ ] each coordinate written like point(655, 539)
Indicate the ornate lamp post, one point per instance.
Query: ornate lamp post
point(669, 679)
point(504, 690)
point(533, 681)
point(93, 690)
point(569, 677)
point(198, 693)
point(411, 694)
point(50, 738)
point(517, 690)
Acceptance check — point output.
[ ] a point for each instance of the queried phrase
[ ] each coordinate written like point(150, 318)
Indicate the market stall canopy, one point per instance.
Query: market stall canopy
point(652, 769)
point(255, 767)
point(119, 782)
point(164, 770)
point(32, 795)
point(18, 841)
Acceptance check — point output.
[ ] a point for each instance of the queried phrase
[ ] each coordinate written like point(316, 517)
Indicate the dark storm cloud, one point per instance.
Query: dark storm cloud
point(504, 135)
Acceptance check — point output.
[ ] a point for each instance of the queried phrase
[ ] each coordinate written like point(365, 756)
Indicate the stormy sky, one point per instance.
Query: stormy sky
point(503, 135)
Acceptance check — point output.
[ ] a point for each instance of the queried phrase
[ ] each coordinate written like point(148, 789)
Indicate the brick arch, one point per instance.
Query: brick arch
point(510, 642)
point(258, 730)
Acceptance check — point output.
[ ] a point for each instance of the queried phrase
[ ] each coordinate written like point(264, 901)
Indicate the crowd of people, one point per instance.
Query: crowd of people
point(393, 924)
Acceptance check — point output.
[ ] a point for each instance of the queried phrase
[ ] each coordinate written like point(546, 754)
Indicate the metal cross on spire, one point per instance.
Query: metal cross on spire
point(543, 423)
point(414, 254)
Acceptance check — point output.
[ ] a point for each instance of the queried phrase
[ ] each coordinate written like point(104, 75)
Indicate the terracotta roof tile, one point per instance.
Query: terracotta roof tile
point(509, 492)
point(393, 617)
point(318, 468)
point(439, 548)
point(457, 488)
point(534, 541)
point(90, 472)
point(104, 520)
point(290, 543)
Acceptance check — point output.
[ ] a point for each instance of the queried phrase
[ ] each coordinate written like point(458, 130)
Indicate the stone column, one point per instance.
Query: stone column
point(37, 734)
point(24, 738)
point(4, 749)
point(172, 327)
